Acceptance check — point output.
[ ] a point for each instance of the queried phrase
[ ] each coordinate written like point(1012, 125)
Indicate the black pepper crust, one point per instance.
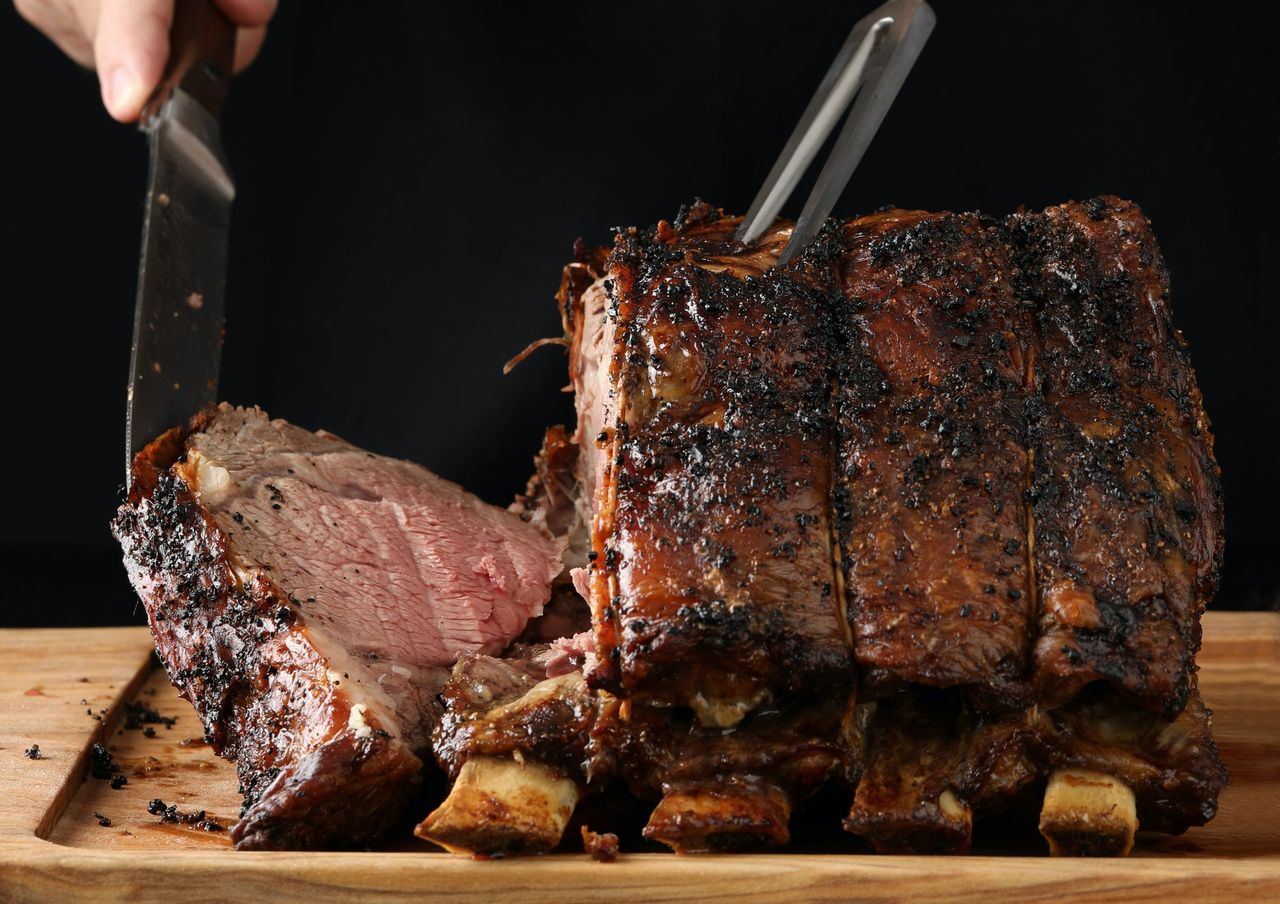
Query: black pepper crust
point(1021, 488)
point(233, 647)
point(714, 561)
point(932, 460)
point(999, 414)
point(1125, 491)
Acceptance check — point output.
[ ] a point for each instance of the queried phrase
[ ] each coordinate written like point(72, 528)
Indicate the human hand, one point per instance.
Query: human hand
point(127, 41)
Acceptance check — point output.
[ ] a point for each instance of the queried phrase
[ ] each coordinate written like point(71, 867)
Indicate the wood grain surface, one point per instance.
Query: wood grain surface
point(66, 689)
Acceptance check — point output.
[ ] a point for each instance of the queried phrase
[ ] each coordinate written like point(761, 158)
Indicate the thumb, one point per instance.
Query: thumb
point(129, 50)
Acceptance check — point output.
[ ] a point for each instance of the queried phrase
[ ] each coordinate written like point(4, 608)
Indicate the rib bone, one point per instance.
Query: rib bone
point(1088, 814)
point(501, 806)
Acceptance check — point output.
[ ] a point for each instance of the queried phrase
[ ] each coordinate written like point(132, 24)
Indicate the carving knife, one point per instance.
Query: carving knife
point(177, 327)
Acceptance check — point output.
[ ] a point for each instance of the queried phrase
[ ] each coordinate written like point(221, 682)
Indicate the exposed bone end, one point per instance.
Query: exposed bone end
point(733, 815)
point(1088, 814)
point(898, 824)
point(499, 806)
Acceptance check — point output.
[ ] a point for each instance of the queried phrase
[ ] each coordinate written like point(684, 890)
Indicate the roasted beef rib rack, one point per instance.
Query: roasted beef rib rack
point(928, 513)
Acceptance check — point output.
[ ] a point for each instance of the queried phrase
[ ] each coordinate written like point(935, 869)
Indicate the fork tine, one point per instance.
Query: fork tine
point(891, 60)
point(830, 100)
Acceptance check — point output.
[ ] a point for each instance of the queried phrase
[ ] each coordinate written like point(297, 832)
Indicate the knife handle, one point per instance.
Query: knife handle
point(202, 43)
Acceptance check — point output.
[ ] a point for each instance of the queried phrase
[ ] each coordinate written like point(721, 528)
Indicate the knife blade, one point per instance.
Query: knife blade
point(178, 318)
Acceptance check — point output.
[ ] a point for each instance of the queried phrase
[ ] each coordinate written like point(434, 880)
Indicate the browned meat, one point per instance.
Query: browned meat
point(519, 705)
point(933, 463)
point(551, 498)
point(1172, 767)
point(734, 790)
point(522, 738)
point(307, 598)
point(1127, 502)
point(551, 501)
point(998, 423)
point(712, 581)
point(933, 765)
point(930, 512)
point(1065, 385)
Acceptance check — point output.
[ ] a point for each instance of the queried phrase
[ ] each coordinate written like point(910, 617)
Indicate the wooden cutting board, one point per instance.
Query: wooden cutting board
point(66, 689)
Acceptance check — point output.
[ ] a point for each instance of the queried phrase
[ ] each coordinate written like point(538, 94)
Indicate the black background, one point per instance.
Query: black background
point(412, 176)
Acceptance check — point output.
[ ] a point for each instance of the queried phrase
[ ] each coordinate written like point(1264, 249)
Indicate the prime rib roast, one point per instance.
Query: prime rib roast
point(929, 514)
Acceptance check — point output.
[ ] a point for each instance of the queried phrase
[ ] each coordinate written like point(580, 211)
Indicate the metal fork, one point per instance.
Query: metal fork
point(871, 65)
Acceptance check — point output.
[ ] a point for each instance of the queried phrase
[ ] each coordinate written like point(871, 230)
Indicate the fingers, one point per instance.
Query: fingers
point(56, 20)
point(248, 43)
point(130, 49)
point(248, 13)
point(252, 16)
point(127, 41)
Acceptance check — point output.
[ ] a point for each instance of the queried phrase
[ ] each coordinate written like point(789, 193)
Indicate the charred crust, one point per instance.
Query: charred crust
point(1004, 394)
point(1060, 264)
point(222, 637)
point(725, 422)
point(347, 791)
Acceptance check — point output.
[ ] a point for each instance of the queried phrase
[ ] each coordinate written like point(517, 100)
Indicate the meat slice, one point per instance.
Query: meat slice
point(1127, 504)
point(307, 598)
point(712, 580)
point(932, 458)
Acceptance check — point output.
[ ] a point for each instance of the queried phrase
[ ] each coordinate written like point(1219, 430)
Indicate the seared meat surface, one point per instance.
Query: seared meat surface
point(729, 791)
point(1126, 501)
point(931, 764)
point(955, 463)
point(714, 584)
point(522, 738)
point(1172, 767)
point(933, 465)
point(308, 598)
point(532, 702)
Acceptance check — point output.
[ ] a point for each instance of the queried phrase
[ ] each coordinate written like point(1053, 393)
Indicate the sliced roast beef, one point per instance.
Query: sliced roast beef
point(308, 598)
